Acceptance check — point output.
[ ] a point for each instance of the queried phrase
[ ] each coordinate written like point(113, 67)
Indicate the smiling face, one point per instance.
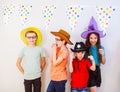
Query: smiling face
point(31, 38)
point(80, 54)
point(93, 39)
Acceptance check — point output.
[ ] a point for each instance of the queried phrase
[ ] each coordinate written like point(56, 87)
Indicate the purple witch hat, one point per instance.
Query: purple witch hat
point(92, 28)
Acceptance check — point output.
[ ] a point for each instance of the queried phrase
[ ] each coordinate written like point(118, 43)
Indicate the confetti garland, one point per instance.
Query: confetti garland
point(24, 12)
point(47, 12)
point(7, 12)
point(104, 15)
point(73, 14)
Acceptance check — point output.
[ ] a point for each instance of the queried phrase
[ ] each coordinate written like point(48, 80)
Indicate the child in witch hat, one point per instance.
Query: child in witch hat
point(79, 68)
point(92, 36)
point(31, 60)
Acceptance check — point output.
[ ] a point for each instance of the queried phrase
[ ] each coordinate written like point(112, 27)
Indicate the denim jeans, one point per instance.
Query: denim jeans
point(79, 89)
point(56, 86)
point(36, 83)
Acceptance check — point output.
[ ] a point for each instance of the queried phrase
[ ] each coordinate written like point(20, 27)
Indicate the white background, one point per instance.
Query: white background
point(11, 80)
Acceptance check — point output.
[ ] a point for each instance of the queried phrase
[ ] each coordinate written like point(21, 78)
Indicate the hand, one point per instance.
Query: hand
point(101, 51)
point(91, 57)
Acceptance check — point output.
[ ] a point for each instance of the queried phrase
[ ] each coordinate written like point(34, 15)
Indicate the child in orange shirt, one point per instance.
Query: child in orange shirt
point(59, 59)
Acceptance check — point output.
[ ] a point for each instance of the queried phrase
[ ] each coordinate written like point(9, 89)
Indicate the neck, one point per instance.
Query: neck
point(32, 45)
point(63, 46)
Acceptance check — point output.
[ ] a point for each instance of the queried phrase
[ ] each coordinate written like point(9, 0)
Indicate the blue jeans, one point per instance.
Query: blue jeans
point(56, 86)
point(79, 89)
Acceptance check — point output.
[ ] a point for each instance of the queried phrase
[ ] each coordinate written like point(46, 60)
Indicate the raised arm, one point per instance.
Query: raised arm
point(93, 67)
point(101, 51)
point(71, 60)
point(56, 60)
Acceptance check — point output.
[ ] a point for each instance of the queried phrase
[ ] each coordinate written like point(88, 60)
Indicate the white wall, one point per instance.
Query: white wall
point(10, 43)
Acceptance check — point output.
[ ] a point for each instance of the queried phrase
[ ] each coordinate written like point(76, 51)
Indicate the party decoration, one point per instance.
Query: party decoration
point(24, 11)
point(47, 12)
point(104, 15)
point(73, 14)
point(7, 12)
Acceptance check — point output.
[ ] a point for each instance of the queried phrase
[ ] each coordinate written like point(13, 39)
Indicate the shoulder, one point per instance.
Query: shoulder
point(24, 48)
point(65, 50)
point(86, 60)
point(38, 48)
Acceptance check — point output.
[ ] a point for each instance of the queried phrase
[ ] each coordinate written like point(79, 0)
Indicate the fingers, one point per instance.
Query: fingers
point(101, 51)
point(53, 45)
point(91, 57)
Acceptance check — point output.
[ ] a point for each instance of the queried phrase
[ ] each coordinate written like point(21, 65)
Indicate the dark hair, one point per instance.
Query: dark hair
point(98, 44)
point(65, 42)
point(31, 32)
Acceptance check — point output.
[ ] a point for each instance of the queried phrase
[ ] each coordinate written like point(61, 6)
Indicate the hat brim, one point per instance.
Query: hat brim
point(36, 30)
point(78, 50)
point(62, 36)
point(85, 34)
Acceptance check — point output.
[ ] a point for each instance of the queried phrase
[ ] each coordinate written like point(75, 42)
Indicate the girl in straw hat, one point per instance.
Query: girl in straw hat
point(31, 60)
point(59, 59)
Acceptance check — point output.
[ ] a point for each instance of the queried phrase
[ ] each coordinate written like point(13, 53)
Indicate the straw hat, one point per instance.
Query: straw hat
point(36, 30)
point(63, 35)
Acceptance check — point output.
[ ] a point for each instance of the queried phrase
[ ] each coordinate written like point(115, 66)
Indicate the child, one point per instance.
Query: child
point(92, 37)
point(59, 59)
point(31, 60)
point(79, 67)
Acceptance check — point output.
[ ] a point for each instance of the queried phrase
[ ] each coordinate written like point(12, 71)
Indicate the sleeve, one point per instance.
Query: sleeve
point(88, 64)
point(64, 54)
point(42, 53)
point(103, 49)
point(73, 65)
point(21, 54)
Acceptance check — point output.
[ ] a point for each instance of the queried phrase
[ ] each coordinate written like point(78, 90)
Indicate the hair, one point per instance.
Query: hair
point(65, 41)
point(98, 44)
point(31, 32)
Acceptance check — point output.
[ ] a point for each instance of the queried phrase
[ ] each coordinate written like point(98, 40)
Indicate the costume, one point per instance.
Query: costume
point(79, 68)
point(80, 74)
point(95, 76)
point(58, 71)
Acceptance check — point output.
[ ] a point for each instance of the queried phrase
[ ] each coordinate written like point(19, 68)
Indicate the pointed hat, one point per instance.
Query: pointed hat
point(92, 28)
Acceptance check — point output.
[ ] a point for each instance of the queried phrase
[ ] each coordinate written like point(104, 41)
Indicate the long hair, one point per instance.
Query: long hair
point(98, 44)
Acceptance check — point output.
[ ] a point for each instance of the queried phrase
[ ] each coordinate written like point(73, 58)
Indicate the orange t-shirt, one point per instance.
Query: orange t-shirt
point(59, 72)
